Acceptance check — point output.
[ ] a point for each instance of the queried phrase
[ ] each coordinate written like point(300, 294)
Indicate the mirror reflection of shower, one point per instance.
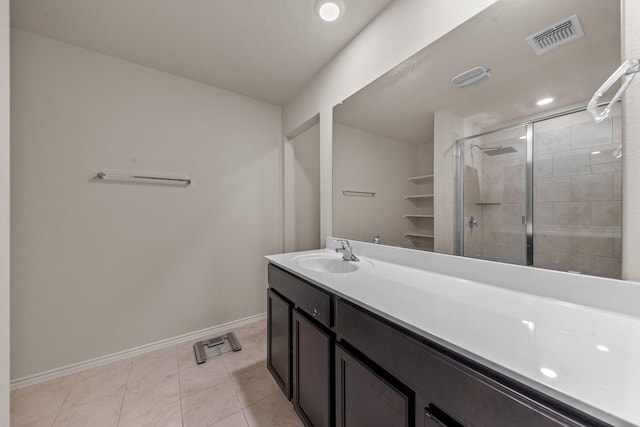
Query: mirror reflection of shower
point(546, 193)
point(495, 151)
point(495, 196)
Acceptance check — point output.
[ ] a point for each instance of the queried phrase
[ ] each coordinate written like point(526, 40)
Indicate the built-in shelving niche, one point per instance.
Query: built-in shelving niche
point(420, 214)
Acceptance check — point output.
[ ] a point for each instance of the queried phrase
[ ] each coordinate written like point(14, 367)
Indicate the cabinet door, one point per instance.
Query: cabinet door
point(363, 398)
point(312, 357)
point(279, 341)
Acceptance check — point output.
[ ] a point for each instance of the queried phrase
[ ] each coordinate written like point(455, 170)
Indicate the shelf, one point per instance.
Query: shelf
point(416, 198)
point(423, 236)
point(419, 178)
point(419, 196)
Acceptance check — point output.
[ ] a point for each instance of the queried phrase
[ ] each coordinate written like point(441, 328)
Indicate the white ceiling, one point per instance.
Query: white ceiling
point(264, 49)
point(400, 104)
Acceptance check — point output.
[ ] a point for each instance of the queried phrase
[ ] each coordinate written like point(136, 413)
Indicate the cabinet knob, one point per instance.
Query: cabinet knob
point(314, 312)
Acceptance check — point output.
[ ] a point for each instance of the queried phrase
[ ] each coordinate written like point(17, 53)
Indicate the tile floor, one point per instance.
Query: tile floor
point(163, 388)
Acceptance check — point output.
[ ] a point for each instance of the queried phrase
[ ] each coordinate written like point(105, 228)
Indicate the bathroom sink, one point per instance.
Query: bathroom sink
point(327, 264)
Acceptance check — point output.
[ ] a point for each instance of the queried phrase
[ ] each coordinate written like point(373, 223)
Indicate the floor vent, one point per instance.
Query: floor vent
point(556, 35)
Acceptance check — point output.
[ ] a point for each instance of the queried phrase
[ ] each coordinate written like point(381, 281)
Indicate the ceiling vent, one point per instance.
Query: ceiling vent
point(556, 35)
point(472, 76)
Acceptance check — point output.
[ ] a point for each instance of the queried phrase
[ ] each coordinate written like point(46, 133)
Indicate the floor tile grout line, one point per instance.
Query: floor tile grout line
point(124, 393)
point(155, 377)
point(224, 418)
point(235, 379)
point(75, 380)
point(246, 420)
point(244, 413)
point(80, 378)
point(180, 388)
point(233, 386)
point(260, 400)
point(227, 378)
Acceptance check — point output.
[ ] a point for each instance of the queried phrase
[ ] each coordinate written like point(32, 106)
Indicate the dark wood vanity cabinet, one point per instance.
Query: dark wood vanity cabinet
point(300, 345)
point(344, 366)
point(312, 385)
point(365, 398)
point(279, 341)
point(448, 391)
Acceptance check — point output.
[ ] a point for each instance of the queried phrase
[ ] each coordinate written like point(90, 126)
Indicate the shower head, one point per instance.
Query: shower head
point(495, 151)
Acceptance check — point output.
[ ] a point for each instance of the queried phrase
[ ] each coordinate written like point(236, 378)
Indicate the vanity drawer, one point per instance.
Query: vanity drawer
point(303, 295)
point(469, 397)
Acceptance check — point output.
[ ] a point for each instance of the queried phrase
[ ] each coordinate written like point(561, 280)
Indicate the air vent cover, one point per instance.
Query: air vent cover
point(556, 35)
point(469, 77)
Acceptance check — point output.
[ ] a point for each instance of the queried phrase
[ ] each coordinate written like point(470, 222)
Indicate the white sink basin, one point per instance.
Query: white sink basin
point(328, 264)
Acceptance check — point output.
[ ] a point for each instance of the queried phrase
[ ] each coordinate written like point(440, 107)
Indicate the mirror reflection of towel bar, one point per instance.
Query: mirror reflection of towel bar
point(358, 193)
point(142, 179)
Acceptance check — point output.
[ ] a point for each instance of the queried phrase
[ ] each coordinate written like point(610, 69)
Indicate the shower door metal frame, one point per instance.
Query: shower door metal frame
point(528, 180)
point(528, 218)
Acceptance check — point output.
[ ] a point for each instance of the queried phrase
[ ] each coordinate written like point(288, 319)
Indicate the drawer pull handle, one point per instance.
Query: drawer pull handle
point(440, 417)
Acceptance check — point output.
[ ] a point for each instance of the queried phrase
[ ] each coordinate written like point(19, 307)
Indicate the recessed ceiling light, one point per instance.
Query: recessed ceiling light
point(545, 101)
point(329, 10)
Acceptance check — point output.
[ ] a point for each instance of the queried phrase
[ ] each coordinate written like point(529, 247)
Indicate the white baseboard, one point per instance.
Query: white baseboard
point(103, 360)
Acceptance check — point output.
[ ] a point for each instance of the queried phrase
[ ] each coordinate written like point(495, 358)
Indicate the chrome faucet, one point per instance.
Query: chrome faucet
point(346, 251)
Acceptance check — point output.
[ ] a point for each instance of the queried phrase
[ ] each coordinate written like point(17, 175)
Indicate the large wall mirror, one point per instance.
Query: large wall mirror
point(483, 170)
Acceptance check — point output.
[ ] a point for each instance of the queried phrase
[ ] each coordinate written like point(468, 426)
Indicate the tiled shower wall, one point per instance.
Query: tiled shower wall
point(578, 195)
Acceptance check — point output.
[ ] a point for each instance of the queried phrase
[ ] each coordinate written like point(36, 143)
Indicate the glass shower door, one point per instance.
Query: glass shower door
point(546, 193)
point(577, 181)
point(493, 210)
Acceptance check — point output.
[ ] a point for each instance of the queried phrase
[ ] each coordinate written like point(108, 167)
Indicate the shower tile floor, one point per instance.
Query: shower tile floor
point(163, 388)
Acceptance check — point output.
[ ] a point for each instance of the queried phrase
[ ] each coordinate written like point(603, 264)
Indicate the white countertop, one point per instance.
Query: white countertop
point(583, 350)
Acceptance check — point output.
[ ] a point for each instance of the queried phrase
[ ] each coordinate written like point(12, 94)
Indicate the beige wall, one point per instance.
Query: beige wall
point(4, 213)
point(306, 149)
point(367, 162)
point(98, 268)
